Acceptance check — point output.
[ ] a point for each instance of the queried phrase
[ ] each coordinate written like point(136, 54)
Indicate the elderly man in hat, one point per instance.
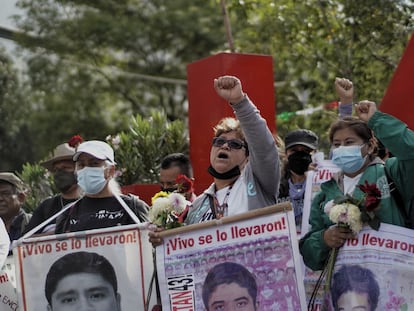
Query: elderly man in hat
point(12, 198)
point(299, 146)
point(62, 167)
point(102, 205)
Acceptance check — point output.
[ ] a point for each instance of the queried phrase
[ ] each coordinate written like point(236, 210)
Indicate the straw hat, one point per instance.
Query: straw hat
point(61, 153)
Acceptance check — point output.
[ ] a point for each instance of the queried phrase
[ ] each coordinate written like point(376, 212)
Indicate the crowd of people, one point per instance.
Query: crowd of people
point(250, 169)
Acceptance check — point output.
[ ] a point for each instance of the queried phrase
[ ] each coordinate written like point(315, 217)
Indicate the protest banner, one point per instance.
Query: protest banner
point(388, 253)
point(51, 266)
point(324, 172)
point(260, 244)
point(383, 261)
point(8, 294)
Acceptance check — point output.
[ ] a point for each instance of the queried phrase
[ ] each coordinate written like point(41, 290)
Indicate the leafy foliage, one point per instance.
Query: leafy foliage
point(15, 141)
point(313, 42)
point(139, 151)
point(93, 64)
point(39, 182)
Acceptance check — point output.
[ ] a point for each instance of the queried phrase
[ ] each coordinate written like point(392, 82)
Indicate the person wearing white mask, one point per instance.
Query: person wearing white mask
point(103, 205)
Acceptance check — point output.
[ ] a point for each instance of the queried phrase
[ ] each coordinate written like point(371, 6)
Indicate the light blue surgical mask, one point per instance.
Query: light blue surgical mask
point(348, 158)
point(91, 179)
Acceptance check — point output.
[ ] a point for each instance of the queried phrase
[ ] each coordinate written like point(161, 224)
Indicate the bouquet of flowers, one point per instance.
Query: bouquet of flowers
point(167, 209)
point(352, 213)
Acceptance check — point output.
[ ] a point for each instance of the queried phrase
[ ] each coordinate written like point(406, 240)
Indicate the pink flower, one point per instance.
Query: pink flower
point(328, 206)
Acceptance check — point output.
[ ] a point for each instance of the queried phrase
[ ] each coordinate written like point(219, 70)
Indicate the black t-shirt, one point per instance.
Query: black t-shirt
point(46, 209)
point(94, 213)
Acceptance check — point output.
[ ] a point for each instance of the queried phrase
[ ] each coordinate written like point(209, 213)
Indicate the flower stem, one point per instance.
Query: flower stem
point(331, 264)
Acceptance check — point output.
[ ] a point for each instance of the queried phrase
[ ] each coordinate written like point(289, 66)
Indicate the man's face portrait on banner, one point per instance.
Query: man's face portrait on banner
point(228, 297)
point(84, 291)
point(82, 281)
point(354, 288)
point(352, 301)
point(229, 286)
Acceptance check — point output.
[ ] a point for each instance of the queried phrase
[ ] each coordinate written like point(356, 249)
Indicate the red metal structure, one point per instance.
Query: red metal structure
point(206, 108)
point(398, 99)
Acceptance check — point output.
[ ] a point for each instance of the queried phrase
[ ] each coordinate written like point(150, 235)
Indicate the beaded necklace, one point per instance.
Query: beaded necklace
point(220, 210)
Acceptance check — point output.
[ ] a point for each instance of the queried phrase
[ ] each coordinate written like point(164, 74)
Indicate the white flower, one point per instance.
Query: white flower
point(114, 141)
point(346, 213)
point(178, 202)
point(166, 207)
point(159, 206)
point(328, 206)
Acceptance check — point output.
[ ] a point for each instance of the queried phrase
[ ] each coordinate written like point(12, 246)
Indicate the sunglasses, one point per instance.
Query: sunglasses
point(232, 143)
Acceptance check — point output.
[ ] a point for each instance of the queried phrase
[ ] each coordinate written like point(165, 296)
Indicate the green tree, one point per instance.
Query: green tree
point(95, 63)
point(139, 151)
point(15, 140)
point(313, 41)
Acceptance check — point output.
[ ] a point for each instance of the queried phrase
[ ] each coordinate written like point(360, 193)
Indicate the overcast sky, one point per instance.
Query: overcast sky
point(7, 9)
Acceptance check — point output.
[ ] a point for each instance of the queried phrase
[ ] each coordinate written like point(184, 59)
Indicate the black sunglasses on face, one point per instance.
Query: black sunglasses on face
point(232, 143)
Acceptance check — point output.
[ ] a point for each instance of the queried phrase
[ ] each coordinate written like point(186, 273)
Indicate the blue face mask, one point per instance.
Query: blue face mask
point(92, 179)
point(348, 158)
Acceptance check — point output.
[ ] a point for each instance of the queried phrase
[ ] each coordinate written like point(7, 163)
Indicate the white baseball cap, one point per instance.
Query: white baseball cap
point(96, 148)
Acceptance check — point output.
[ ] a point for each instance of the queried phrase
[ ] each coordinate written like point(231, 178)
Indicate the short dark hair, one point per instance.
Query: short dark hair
point(179, 160)
point(360, 128)
point(79, 262)
point(357, 279)
point(226, 273)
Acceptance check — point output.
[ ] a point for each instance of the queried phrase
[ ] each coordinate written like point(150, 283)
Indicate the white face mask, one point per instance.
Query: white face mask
point(91, 179)
point(348, 158)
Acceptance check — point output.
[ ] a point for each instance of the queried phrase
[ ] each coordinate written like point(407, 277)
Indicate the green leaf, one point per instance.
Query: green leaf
point(39, 182)
point(374, 223)
point(365, 218)
point(141, 149)
point(341, 199)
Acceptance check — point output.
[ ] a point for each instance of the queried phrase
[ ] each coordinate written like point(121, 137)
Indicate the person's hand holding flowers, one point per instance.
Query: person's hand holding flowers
point(349, 216)
point(168, 210)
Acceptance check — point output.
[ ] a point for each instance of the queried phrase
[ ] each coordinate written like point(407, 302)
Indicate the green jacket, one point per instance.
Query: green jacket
point(395, 136)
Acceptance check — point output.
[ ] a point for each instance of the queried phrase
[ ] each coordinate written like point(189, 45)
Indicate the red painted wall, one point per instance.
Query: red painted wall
point(144, 191)
point(399, 98)
point(206, 108)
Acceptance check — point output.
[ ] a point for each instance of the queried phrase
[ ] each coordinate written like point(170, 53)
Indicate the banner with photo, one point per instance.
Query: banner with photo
point(380, 263)
point(260, 247)
point(8, 293)
point(324, 172)
point(109, 267)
